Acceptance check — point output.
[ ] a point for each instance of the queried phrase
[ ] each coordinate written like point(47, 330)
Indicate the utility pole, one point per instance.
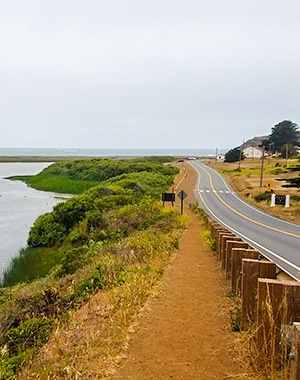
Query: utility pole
point(240, 158)
point(240, 155)
point(262, 167)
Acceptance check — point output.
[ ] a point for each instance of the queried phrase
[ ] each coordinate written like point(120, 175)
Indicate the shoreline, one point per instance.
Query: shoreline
point(4, 159)
point(43, 158)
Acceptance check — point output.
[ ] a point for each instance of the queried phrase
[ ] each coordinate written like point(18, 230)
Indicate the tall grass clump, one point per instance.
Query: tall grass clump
point(57, 184)
point(264, 349)
point(209, 239)
point(31, 263)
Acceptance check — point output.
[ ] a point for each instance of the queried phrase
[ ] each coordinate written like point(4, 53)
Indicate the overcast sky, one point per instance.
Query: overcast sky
point(146, 74)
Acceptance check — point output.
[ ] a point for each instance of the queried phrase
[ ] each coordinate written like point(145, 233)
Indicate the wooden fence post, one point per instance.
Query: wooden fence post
point(219, 234)
point(236, 266)
point(222, 243)
point(295, 352)
point(252, 270)
point(225, 239)
point(230, 244)
point(278, 307)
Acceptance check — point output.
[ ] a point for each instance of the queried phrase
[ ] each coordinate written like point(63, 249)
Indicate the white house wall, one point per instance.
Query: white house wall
point(252, 152)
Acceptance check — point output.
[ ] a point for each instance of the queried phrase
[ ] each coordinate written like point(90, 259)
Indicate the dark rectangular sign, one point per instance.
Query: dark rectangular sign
point(280, 199)
point(168, 197)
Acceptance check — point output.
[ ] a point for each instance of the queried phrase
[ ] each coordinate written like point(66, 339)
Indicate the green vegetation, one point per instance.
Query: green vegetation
point(209, 240)
point(31, 263)
point(261, 197)
point(273, 169)
point(114, 236)
point(283, 138)
point(75, 177)
point(58, 184)
point(234, 155)
point(295, 181)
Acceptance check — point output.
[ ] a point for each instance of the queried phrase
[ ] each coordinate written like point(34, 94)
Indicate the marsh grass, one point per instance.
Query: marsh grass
point(30, 264)
point(57, 184)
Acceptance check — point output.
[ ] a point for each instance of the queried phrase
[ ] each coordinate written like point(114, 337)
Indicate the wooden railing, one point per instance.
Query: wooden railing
point(270, 299)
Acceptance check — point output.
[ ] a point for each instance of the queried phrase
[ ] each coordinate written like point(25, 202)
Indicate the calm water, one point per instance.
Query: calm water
point(109, 152)
point(19, 207)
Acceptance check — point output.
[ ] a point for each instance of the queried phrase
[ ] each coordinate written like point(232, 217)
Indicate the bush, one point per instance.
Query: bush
point(72, 260)
point(266, 196)
point(209, 240)
point(32, 333)
point(277, 171)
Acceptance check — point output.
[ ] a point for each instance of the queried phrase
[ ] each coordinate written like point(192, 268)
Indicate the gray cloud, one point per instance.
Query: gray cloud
point(146, 74)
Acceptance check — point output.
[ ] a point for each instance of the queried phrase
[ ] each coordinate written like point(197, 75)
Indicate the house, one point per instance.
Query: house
point(220, 157)
point(297, 149)
point(252, 151)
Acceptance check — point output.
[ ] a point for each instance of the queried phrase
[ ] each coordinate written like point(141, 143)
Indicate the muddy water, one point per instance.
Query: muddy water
point(19, 208)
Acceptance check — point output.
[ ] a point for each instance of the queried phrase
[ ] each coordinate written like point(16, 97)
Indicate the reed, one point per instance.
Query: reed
point(30, 264)
point(57, 184)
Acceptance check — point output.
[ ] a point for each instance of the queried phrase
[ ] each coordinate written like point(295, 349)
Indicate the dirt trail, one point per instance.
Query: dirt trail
point(184, 333)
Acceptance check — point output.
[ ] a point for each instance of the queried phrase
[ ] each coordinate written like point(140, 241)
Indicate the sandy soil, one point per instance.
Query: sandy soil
point(185, 332)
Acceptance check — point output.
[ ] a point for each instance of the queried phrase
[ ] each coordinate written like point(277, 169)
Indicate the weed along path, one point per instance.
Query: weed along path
point(184, 333)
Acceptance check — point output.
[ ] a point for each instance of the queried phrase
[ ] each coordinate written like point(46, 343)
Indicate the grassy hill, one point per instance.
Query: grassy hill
point(114, 238)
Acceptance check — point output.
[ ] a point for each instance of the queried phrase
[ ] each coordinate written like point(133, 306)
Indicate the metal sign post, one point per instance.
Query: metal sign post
point(181, 195)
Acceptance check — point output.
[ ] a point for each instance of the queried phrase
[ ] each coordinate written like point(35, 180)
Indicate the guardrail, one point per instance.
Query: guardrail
point(270, 300)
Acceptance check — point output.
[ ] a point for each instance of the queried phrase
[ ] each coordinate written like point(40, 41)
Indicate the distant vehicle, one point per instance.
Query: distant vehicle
point(192, 158)
point(180, 160)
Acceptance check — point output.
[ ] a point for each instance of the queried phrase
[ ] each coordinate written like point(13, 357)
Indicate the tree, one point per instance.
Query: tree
point(288, 151)
point(265, 143)
point(234, 155)
point(284, 133)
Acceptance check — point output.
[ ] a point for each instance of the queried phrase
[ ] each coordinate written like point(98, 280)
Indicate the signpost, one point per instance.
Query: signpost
point(269, 187)
point(168, 197)
point(181, 195)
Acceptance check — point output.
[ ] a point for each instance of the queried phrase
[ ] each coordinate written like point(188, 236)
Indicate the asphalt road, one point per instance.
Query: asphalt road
point(276, 239)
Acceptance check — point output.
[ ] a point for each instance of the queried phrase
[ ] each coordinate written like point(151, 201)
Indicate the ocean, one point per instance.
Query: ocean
point(111, 152)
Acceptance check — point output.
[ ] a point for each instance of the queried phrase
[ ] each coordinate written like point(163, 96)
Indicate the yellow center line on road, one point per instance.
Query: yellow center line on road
point(245, 216)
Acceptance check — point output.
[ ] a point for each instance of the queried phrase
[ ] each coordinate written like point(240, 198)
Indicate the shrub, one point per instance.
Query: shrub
point(31, 333)
point(72, 260)
point(266, 196)
point(209, 240)
point(236, 317)
point(277, 171)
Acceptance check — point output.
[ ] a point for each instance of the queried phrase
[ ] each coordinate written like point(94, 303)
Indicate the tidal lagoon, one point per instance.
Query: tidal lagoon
point(20, 206)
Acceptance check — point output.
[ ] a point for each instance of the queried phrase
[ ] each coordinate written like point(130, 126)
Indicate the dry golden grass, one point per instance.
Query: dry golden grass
point(94, 340)
point(247, 184)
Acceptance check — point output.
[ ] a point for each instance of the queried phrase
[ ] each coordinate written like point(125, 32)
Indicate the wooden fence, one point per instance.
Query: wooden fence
point(269, 299)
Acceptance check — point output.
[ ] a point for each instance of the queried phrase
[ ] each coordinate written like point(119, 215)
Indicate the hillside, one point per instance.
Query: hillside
point(113, 237)
point(254, 141)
